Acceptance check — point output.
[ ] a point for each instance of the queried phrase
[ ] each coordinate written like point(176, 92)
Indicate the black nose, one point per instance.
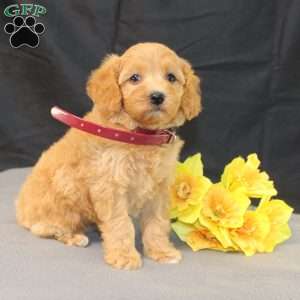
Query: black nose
point(157, 98)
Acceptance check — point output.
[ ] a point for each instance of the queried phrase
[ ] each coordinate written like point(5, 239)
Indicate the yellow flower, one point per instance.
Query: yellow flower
point(215, 216)
point(250, 236)
point(278, 213)
point(239, 173)
point(197, 236)
point(225, 208)
point(188, 189)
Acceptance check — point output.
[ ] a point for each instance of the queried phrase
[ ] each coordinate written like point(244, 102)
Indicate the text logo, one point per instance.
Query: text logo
point(24, 30)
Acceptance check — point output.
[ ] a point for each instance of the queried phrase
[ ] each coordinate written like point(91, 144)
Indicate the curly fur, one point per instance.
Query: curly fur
point(83, 179)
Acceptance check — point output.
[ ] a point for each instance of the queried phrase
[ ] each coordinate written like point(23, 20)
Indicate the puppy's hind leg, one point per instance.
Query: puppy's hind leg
point(67, 237)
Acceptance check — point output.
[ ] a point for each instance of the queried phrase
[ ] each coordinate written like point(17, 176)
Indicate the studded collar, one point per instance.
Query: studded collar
point(138, 137)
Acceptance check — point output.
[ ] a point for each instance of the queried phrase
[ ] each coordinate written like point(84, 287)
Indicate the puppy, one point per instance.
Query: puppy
point(83, 179)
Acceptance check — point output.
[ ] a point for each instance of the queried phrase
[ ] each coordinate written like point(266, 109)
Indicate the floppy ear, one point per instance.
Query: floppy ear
point(103, 88)
point(191, 99)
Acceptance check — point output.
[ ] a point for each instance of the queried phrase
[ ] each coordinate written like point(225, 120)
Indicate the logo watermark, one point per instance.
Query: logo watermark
point(24, 30)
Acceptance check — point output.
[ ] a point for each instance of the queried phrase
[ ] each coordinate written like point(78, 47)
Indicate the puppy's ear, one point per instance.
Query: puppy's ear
point(191, 99)
point(103, 88)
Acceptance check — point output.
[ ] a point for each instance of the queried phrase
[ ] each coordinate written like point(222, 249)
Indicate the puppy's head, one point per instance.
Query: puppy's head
point(149, 86)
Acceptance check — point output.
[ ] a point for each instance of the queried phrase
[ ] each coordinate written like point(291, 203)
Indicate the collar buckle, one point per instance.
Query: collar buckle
point(172, 136)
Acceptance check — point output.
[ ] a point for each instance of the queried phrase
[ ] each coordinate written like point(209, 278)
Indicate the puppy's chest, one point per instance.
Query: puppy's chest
point(138, 173)
point(146, 170)
point(147, 173)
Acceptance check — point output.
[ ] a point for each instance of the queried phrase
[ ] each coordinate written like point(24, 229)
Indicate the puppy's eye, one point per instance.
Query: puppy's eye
point(135, 78)
point(171, 77)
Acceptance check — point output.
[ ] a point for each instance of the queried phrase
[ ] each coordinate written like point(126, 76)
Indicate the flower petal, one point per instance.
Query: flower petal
point(278, 235)
point(191, 214)
point(225, 208)
point(250, 236)
point(231, 172)
point(182, 229)
point(277, 210)
point(279, 214)
point(194, 165)
point(197, 241)
point(253, 161)
point(221, 234)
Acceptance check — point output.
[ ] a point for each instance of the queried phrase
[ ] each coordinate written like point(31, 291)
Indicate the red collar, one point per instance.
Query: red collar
point(138, 137)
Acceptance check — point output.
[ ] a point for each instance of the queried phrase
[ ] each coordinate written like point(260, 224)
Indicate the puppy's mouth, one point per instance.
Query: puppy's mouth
point(155, 113)
point(155, 118)
point(150, 116)
point(157, 108)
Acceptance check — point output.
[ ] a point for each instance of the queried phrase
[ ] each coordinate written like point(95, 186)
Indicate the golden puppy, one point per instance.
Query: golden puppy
point(84, 179)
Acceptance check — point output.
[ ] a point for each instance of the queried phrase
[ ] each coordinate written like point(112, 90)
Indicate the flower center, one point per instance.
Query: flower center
point(219, 211)
point(183, 190)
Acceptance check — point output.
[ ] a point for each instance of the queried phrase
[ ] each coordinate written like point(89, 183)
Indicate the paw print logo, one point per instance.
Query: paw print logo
point(24, 32)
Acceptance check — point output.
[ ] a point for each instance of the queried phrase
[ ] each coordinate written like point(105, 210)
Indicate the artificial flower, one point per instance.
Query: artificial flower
point(250, 236)
point(241, 173)
point(197, 236)
point(188, 189)
point(218, 216)
point(225, 208)
point(278, 213)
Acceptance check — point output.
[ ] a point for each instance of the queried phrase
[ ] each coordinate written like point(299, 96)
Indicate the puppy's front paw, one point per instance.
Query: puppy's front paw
point(165, 256)
point(79, 240)
point(124, 260)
